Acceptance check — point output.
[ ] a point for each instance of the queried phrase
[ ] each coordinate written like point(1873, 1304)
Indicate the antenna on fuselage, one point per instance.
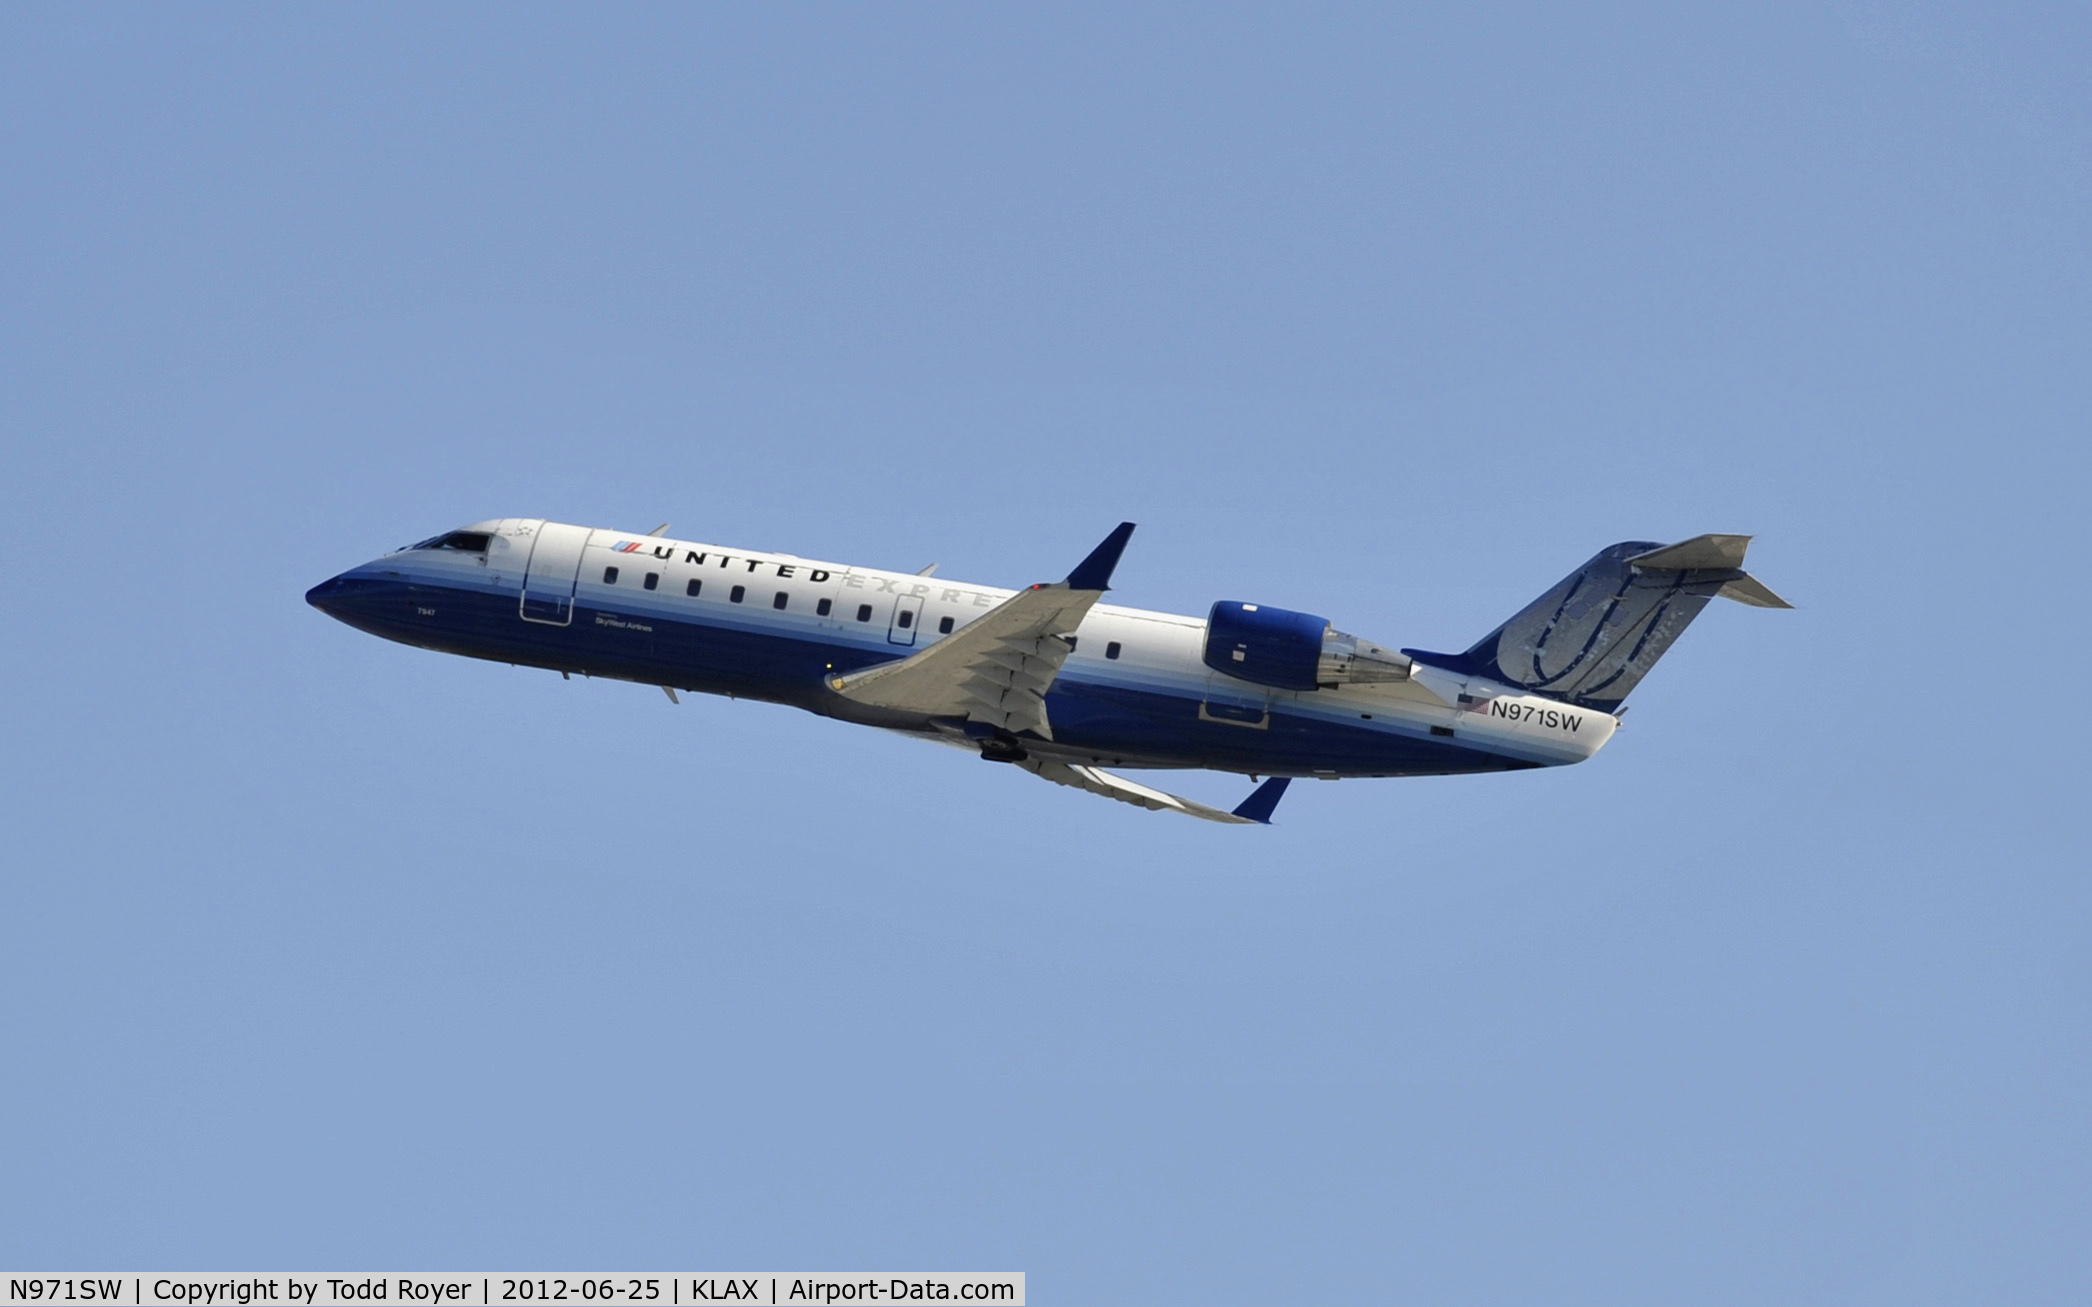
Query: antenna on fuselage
point(659, 530)
point(931, 570)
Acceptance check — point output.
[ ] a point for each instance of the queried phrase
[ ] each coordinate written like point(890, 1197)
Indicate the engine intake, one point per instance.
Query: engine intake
point(1293, 651)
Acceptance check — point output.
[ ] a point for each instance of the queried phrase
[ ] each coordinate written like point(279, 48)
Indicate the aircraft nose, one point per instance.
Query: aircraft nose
point(358, 596)
point(327, 595)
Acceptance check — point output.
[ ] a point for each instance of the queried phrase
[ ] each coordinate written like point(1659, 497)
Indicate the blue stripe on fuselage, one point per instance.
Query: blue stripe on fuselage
point(785, 658)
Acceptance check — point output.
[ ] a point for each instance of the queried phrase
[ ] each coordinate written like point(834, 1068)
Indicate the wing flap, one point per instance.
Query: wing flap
point(1253, 811)
point(1097, 781)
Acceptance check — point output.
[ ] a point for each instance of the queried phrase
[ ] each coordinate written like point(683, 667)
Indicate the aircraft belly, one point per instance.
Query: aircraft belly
point(1126, 723)
point(1137, 727)
point(617, 644)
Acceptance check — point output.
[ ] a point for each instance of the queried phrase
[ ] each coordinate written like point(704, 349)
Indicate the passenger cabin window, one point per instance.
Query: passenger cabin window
point(469, 542)
point(609, 576)
point(907, 619)
point(781, 600)
point(864, 612)
point(693, 586)
point(653, 579)
point(1111, 650)
point(944, 626)
point(734, 595)
point(825, 607)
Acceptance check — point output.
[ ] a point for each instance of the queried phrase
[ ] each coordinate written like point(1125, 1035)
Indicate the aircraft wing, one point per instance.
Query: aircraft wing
point(997, 669)
point(1254, 811)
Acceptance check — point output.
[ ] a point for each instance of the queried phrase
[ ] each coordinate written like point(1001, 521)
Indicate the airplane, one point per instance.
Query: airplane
point(1050, 679)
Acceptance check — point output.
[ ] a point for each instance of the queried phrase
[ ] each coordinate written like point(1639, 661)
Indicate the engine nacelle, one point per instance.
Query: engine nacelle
point(1293, 651)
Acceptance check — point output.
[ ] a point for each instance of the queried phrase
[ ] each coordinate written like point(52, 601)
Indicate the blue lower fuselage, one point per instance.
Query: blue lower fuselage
point(1122, 711)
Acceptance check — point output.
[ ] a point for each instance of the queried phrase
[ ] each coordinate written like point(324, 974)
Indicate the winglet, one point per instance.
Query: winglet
point(1258, 806)
point(1094, 572)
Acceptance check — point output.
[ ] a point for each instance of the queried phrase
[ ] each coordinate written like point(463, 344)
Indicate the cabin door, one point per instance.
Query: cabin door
point(555, 564)
point(907, 615)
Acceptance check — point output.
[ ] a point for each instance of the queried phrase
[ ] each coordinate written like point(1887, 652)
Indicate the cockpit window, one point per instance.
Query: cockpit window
point(468, 542)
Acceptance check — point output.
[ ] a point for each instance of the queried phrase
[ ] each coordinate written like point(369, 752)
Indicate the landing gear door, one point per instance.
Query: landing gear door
point(907, 615)
point(555, 564)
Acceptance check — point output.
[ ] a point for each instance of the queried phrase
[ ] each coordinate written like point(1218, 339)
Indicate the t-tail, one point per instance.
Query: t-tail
point(1592, 638)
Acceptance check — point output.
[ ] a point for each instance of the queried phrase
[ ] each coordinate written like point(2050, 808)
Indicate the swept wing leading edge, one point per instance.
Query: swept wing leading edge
point(997, 669)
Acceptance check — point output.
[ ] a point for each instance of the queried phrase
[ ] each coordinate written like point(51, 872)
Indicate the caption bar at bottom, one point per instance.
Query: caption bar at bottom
point(511, 1289)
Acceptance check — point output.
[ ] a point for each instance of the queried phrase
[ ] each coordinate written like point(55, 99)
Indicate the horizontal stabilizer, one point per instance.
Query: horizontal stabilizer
point(1748, 589)
point(1713, 553)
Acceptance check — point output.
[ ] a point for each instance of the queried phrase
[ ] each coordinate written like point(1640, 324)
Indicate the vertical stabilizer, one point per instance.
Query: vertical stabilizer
point(1592, 638)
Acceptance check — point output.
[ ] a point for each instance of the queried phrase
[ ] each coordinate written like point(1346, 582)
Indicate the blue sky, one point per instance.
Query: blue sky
point(324, 953)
